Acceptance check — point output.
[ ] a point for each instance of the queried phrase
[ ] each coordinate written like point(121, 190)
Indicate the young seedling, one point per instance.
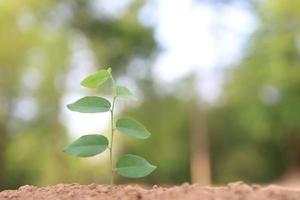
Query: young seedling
point(129, 165)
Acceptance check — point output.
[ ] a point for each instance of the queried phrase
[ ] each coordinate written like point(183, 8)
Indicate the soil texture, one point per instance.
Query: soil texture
point(233, 191)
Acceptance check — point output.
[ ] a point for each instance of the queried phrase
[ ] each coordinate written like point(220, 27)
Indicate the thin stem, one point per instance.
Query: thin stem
point(114, 89)
point(112, 141)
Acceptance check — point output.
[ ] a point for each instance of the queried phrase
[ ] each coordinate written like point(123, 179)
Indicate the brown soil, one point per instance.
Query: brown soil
point(234, 191)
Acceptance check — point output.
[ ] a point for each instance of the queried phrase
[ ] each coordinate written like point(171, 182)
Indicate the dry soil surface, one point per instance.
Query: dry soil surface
point(234, 191)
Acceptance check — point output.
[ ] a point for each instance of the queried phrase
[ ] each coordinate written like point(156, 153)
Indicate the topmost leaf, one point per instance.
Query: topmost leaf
point(97, 79)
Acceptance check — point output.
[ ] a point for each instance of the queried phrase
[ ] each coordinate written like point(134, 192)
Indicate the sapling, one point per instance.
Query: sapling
point(131, 166)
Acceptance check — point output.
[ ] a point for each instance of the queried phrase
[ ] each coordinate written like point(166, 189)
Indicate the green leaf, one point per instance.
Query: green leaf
point(87, 146)
point(97, 79)
point(133, 166)
point(125, 92)
point(90, 104)
point(132, 128)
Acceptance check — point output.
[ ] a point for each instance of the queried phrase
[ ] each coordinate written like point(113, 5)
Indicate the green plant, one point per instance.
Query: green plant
point(129, 165)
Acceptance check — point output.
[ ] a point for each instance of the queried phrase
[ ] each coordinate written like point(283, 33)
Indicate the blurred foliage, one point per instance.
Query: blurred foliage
point(115, 42)
point(255, 133)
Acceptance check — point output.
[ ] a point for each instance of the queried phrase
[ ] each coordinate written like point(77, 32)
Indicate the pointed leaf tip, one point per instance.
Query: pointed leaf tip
point(133, 166)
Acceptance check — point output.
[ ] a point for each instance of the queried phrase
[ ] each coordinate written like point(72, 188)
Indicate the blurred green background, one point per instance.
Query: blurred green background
point(250, 132)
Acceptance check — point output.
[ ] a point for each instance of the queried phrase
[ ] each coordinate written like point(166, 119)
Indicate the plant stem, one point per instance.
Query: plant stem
point(114, 88)
point(112, 141)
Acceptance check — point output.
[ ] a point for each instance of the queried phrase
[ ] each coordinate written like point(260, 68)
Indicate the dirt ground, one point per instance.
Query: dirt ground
point(233, 191)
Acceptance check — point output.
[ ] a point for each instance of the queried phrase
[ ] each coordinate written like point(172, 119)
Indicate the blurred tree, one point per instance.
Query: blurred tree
point(116, 41)
point(256, 132)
